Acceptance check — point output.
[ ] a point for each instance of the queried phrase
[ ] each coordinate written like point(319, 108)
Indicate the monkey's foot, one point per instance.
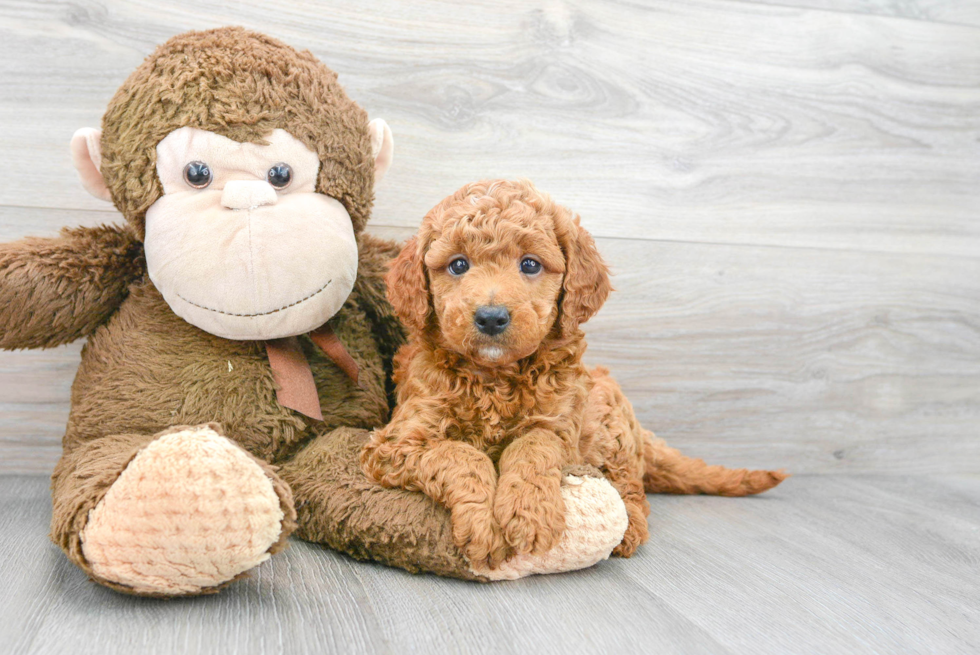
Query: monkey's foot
point(595, 522)
point(191, 512)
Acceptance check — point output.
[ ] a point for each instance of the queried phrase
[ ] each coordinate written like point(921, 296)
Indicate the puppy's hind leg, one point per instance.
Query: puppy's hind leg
point(610, 442)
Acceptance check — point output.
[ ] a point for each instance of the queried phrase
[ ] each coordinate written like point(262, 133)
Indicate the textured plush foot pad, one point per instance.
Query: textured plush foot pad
point(595, 522)
point(191, 511)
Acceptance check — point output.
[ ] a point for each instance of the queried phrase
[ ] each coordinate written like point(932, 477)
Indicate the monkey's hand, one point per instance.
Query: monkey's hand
point(54, 291)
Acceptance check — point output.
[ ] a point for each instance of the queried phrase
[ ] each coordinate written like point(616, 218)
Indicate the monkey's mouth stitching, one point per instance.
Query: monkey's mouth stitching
point(272, 311)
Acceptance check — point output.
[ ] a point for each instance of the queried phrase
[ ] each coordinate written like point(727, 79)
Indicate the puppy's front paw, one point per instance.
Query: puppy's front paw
point(478, 536)
point(531, 512)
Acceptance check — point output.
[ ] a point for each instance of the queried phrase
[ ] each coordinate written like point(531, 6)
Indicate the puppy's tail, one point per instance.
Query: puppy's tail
point(667, 471)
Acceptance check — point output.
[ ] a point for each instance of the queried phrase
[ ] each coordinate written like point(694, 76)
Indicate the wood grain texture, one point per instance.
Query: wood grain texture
point(956, 12)
point(834, 563)
point(788, 194)
point(715, 121)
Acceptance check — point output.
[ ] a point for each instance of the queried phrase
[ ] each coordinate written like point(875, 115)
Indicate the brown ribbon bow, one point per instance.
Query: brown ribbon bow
point(292, 371)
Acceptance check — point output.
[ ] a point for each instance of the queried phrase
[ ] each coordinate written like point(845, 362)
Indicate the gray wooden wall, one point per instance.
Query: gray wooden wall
point(788, 192)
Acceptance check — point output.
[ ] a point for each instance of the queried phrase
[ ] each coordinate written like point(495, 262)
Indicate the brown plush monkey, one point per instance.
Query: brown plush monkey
point(239, 340)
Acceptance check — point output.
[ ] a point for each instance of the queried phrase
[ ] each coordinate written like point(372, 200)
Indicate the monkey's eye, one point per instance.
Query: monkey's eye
point(530, 266)
point(458, 266)
point(280, 175)
point(197, 174)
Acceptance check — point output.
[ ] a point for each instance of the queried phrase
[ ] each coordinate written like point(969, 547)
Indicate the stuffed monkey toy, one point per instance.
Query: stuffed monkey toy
point(239, 342)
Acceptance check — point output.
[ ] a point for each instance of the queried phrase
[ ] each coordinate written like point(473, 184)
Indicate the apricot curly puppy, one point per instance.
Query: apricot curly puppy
point(493, 398)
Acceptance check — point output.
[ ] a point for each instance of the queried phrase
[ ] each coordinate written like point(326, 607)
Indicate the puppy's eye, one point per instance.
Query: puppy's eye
point(530, 266)
point(458, 266)
point(280, 175)
point(197, 174)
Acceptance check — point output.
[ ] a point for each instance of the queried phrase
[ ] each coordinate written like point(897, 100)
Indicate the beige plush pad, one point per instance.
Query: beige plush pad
point(595, 521)
point(191, 511)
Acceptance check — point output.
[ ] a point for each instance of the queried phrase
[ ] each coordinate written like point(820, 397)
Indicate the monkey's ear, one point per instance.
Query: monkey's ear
point(382, 147)
point(86, 155)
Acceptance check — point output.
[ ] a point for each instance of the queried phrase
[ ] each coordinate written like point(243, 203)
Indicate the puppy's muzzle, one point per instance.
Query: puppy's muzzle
point(491, 320)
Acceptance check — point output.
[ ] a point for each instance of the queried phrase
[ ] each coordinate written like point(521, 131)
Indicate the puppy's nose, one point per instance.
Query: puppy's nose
point(491, 319)
point(246, 194)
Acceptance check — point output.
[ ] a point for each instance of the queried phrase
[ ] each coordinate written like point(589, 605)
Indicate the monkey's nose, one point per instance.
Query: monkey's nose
point(491, 319)
point(246, 194)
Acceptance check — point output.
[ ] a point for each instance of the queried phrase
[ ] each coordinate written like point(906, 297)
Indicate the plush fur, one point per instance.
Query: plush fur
point(241, 85)
point(55, 291)
point(144, 371)
point(485, 424)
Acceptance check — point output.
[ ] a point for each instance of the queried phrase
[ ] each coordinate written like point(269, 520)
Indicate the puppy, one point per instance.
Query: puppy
point(493, 398)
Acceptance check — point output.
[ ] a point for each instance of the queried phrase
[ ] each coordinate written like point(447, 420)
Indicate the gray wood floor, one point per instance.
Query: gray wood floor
point(824, 564)
point(788, 192)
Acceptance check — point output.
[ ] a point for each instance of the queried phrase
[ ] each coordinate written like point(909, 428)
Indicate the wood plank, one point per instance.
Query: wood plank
point(812, 360)
point(717, 121)
point(956, 12)
point(815, 360)
point(855, 564)
point(878, 564)
point(28, 565)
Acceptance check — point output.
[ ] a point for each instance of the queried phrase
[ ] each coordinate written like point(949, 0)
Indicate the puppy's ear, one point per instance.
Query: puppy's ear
point(586, 285)
point(408, 291)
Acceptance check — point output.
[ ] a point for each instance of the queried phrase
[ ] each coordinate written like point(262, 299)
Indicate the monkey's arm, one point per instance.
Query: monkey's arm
point(374, 255)
point(56, 290)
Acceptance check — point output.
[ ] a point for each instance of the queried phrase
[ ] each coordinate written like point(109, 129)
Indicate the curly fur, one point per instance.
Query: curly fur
point(484, 424)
